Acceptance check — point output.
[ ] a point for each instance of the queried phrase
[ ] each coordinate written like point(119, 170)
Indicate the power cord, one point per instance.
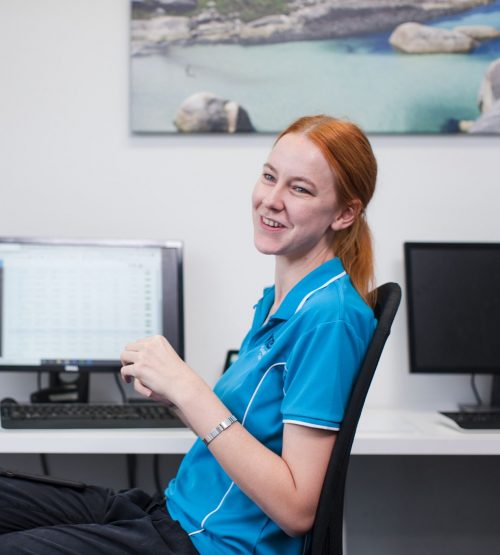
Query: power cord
point(156, 473)
point(45, 464)
point(120, 388)
point(479, 401)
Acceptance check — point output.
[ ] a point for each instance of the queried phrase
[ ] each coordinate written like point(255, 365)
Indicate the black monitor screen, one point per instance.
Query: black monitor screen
point(74, 305)
point(453, 299)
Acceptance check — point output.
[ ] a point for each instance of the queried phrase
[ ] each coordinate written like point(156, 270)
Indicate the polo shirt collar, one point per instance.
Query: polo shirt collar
point(298, 295)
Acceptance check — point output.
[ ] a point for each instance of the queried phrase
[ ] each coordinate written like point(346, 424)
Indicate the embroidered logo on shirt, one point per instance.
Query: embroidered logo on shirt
point(267, 345)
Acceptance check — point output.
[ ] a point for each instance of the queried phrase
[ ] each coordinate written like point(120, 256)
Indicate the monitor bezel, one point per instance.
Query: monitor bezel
point(412, 246)
point(175, 292)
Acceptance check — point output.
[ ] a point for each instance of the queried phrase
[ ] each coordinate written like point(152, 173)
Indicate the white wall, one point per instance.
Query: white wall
point(69, 167)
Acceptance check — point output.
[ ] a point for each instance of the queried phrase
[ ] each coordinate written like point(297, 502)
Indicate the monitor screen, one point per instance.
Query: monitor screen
point(74, 305)
point(453, 300)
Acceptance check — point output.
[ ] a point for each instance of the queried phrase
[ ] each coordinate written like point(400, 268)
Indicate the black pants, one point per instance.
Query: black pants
point(41, 519)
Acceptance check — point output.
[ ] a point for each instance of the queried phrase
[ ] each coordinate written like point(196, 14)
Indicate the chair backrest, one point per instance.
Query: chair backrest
point(327, 530)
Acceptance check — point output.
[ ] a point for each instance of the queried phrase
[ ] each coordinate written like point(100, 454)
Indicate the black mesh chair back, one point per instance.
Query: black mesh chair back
point(327, 530)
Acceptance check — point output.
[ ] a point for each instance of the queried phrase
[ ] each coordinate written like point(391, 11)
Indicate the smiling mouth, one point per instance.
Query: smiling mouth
point(271, 223)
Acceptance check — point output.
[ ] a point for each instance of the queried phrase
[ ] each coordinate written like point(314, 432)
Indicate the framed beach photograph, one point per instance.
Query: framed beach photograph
point(241, 66)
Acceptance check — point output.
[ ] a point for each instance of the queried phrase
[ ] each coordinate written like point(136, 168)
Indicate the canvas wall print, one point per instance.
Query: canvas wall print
point(241, 66)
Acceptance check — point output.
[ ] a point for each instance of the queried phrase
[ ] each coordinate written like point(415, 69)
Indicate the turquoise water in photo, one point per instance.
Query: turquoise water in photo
point(361, 78)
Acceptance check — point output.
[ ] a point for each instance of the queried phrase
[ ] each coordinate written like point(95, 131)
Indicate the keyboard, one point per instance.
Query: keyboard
point(87, 416)
point(475, 420)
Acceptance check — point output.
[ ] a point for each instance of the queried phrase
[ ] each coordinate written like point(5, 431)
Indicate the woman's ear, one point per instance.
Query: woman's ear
point(347, 215)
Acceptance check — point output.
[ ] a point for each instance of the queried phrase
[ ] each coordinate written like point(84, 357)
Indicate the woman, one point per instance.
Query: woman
point(251, 484)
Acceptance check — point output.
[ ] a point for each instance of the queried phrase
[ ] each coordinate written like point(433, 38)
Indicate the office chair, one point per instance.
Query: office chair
point(327, 529)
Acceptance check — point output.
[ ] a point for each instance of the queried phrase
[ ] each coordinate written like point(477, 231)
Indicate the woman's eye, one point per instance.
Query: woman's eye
point(300, 190)
point(267, 176)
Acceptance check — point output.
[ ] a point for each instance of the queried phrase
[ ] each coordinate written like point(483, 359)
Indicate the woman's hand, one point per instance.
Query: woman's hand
point(157, 370)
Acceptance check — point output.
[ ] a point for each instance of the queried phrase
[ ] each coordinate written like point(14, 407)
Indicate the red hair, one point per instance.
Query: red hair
point(349, 154)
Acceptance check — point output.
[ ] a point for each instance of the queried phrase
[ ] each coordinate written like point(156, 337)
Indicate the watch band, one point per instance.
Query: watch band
point(224, 425)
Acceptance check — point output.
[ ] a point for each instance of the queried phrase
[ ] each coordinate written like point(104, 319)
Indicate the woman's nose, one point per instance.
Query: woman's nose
point(273, 200)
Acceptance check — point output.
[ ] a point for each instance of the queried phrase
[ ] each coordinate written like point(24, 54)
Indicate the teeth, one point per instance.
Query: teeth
point(271, 223)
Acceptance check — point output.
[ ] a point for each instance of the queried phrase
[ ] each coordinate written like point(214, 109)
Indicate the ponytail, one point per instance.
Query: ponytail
point(354, 248)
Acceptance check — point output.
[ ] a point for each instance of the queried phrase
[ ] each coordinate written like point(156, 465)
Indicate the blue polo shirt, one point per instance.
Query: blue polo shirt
point(298, 367)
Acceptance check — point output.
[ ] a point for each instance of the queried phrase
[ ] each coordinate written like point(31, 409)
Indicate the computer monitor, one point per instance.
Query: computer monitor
point(453, 301)
point(72, 305)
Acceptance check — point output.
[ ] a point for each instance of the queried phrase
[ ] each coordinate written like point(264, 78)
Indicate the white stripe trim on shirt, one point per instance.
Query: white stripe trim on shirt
point(196, 532)
point(208, 515)
point(309, 425)
point(303, 301)
point(258, 387)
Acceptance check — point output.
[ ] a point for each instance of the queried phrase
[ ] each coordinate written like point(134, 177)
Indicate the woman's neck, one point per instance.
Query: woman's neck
point(289, 272)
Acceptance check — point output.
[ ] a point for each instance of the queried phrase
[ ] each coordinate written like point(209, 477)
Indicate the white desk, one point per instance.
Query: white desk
point(380, 432)
point(400, 432)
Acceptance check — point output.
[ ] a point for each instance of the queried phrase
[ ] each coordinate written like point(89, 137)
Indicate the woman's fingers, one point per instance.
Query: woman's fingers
point(153, 364)
point(126, 372)
point(128, 357)
point(142, 389)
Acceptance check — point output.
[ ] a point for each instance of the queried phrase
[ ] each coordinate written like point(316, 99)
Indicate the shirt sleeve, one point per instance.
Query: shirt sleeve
point(320, 373)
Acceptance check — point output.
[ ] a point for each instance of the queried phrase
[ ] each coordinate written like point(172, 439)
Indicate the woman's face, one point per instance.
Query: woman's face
point(295, 207)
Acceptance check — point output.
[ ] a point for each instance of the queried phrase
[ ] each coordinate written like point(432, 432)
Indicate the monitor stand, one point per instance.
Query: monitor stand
point(493, 405)
point(64, 387)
